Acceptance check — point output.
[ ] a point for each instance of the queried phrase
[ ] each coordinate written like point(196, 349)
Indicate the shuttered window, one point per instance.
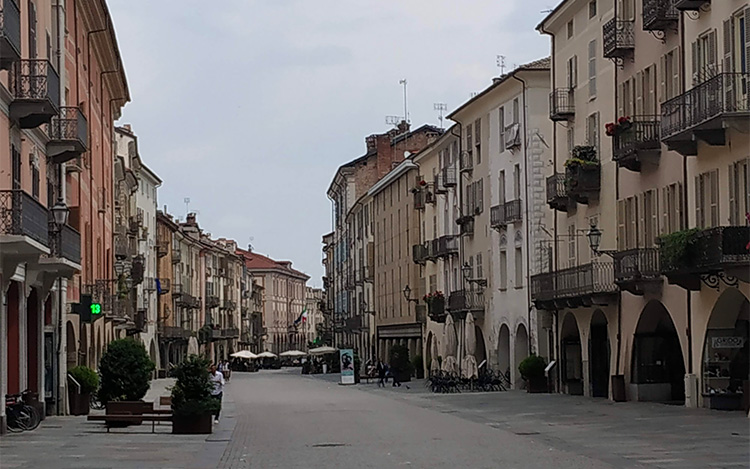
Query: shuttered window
point(32, 30)
point(503, 269)
point(478, 140)
point(592, 69)
point(501, 126)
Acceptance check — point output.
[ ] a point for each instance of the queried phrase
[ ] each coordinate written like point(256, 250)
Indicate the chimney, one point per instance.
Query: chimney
point(403, 127)
point(371, 143)
point(127, 127)
point(190, 220)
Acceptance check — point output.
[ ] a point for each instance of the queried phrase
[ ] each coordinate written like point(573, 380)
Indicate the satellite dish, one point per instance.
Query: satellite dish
point(407, 154)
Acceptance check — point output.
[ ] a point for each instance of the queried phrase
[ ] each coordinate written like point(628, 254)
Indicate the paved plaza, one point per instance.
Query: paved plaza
point(279, 419)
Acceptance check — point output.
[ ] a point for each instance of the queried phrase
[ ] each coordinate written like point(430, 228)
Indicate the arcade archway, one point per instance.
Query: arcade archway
point(503, 349)
point(599, 351)
point(520, 351)
point(572, 359)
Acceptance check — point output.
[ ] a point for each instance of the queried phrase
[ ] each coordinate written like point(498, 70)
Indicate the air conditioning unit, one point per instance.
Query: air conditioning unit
point(512, 136)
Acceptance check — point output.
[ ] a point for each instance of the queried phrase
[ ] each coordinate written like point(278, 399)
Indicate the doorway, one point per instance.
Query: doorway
point(600, 355)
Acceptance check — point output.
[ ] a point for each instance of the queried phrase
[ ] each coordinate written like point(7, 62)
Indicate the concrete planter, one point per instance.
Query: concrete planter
point(192, 424)
point(78, 403)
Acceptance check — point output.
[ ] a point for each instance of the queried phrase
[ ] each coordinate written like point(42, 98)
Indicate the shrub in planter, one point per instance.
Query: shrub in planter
point(125, 371)
point(399, 361)
point(89, 381)
point(192, 403)
point(674, 248)
point(532, 371)
point(417, 364)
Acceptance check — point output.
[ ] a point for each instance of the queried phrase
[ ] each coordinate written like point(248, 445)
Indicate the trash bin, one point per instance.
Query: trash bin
point(325, 368)
point(618, 388)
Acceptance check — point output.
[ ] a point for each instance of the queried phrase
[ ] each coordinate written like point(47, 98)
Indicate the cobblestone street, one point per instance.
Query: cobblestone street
point(282, 419)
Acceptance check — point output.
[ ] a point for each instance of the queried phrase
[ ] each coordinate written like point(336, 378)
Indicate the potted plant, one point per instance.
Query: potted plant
point(125, 375)
point(192, 403)
point(79, 398)
point(532, 371)
point(400, 363)
point(435, 302)
point(417, 364)
point(674, 249)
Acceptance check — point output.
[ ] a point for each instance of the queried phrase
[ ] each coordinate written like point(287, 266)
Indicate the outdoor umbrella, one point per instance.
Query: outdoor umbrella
point(450, 365)
point(470, 362)
point(244, 354)
point(325, 350)
point(434, 363)
point(266, 355)
point(292, 353)
point(193, 348)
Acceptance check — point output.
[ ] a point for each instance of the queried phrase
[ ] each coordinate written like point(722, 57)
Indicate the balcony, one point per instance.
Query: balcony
point(419, 254)
point(660, 15)
point(162, 248)
point(557, 192)
point(582, 285)
point(173, 332)
point(64, 259)
point(466, 301)
point(420, 198)
point(466, 162)
point(163, 286)
point(230, 333)
point(149, 284)
point(23, 224)
point(618, 38)
point(123, 247)
point(432, 249)
point(229, 305)
point(35, 87)
point(212, 301)
point(448, 175)
point(353, 325)
point(691, 5)
point(436, 309)
point(176, 256)
point(583, 182)
point(637, 270)
point(562, 104)
point(502, 215)
point(367, 273)
point(10, 34)
point(639, 144)
point(68, 135)
point(447, 246)
point(709, 256)
point(705, 112)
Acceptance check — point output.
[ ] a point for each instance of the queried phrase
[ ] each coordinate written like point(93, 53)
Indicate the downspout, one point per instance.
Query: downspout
point(688, 294)
point(461, 253)
point(527, 221)
point(555, 312)
point(617, 197)
point(59, 383)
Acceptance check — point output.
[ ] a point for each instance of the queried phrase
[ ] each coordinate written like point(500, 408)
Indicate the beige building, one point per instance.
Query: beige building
point(314, 321)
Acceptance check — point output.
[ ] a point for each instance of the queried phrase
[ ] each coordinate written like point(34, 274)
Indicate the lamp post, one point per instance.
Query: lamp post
point(595, 237)
point(467, 270)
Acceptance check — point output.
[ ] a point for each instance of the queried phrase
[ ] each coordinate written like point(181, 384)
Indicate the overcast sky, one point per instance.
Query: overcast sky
point(249, 108)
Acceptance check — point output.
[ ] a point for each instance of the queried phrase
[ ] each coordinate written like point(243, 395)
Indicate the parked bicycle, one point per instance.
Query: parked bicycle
point(20, 415)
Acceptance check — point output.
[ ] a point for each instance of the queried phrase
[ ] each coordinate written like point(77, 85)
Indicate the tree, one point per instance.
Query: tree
point(125, 371)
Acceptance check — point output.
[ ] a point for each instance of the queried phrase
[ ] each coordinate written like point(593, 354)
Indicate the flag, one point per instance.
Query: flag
point(158, 286)
point(302, 316)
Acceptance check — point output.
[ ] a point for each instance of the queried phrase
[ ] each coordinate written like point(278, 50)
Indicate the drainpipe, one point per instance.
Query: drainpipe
point(555, 312)
point(617, 197)
point(461, 253)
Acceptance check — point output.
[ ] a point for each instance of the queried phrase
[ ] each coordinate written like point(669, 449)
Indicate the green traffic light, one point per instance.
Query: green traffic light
point(96, 308)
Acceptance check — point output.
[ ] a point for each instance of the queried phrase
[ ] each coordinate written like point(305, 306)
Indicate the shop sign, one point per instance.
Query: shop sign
point(727, 342)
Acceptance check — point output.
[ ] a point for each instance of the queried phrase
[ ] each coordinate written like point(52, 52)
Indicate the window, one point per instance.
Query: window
point(592, 9)
point(16, 163)
point(739, 193)
point(501, 126)
point(707, 199)
point(480, 195)
point(517, 182)
point(501, 187)
point(478, 139)
point(516, 111)
point(570, 29)
point(592, 131)
point(35, 181)
point(572, 72)
point(649, 91)
point(571, 138)
point(704, 57)
point(503, 270)
point(519, 267)
point(671, 81)
point(32, 30)
point(627, 10)
point(480, 271)
point(592, 69)
point(572, 244)
point(650, 218)
point(672, 214)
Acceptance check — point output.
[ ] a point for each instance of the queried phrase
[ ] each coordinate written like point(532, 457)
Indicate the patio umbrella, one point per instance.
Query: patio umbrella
point(434, 363)
point(266, 355)
point(325, 350)
point(470, 362)
point(193, 348)
point(292, 353)
point(244, 354)
point(450, 365)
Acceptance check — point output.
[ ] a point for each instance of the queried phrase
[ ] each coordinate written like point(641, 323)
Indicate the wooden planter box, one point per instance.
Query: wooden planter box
point(78, 403)
point(192, 424)
point(129, 408)
point(725, 401)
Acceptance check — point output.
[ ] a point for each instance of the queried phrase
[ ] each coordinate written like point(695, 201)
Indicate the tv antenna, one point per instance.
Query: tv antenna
point(500, 61)
point(186, 200)
point(406, 108)
point(440, 107)
point(392, 120)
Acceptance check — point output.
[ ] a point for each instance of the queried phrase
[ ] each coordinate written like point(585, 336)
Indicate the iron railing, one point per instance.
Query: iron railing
point(466, 224)
point(658, 15)
point(636, 264)
point(420, 198)
point(466, 161)
point(582, 280)
point(176, 256)
point(115, 296)
point(618, 37)
point(690, 5)
point(65, 243)
point(712, 249)
point(561, 104)
point(557, 191)
point(419, 253)
point(466, 300)
point(229, 305)
point(35, 79)
point(436, 309)
point(173, 332)
point(432, 249)
point(69, 125)
point(212, 301)
point(230, 332)
point(21, 214)
point(10, 32)
point(164, 286)
point(509, 212)
point(582, 181)
point(724, 93)
point(448, 174)
point(642, 135)
point(447, 246)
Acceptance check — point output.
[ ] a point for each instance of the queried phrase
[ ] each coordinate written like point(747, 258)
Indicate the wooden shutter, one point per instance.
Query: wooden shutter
point(621, 225)
point(733, 212)
point(664, 211)
point(696, 78)
point(663, 78)
point(653, 107)
point(592, 68)
point(641, 238)
point(621, 100)
point(681, 216)
point(638, 94)
point(699, 200)
point(676, 71)
point(747, 41)
point(728, 62)
point(712, 55)
point(714, 194)
point(32, 30)
point(480, 195)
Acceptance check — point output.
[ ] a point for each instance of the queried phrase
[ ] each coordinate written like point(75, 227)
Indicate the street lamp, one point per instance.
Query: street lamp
point(467, 270)
point(60, 213)
point(407, 295)
point(595, 237)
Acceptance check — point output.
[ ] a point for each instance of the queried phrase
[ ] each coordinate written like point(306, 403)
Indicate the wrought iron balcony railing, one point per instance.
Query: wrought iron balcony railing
point(583, 182)
point(230, 332)
point(436, 309)
point(162, 248)
point(176, 256)
point(448, 174)
point(466, 161)
point(164, 286)
point(659, 15)
point(447, 246)
point(419, 253)
point(432, 249)
point(65, 243)
point(35, 87)
point(420, 199)
point(710, 250)
point(509, 212)
point(702, 111)
point(466, 301)
point(173, 332)
point(23, 215)
point(10, 34)
point(690, 5)
point(557, 192)
point(68, 135)
point(636, 267)
point(562, 104)
point(619, 38)
point(574, 283)
point(466, 224)
point(638, 144)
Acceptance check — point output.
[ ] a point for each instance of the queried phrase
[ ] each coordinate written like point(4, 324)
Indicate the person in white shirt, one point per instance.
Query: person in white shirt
point(217, 379)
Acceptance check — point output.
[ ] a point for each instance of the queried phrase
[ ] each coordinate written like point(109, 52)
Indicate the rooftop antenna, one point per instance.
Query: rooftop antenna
point(500, 61)
point(406, 109)
point(440, 107)
point(186, 200)
point(392, 120)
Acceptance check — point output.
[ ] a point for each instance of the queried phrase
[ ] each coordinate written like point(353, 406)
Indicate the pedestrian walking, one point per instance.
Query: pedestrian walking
point(217, 379)
point(394, 375)
point(381, 374)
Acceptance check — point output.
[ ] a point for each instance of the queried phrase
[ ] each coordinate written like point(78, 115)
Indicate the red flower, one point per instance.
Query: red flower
point(623, 120)
point(422, 183)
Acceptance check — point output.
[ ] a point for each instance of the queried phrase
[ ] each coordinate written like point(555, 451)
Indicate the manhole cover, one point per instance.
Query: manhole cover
point(328, 445)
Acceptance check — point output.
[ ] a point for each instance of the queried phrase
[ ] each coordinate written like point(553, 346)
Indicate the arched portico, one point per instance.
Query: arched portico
point(599, 353)
point(481, 350)
point(520, 351)
point(572, 359)
point(503, 349)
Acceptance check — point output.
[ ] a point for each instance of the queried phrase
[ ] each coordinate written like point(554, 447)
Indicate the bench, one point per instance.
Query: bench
point(367, 378)
point(156, 416)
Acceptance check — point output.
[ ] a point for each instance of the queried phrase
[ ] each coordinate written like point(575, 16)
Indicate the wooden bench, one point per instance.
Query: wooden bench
point(156, 416)
point(367, 378)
